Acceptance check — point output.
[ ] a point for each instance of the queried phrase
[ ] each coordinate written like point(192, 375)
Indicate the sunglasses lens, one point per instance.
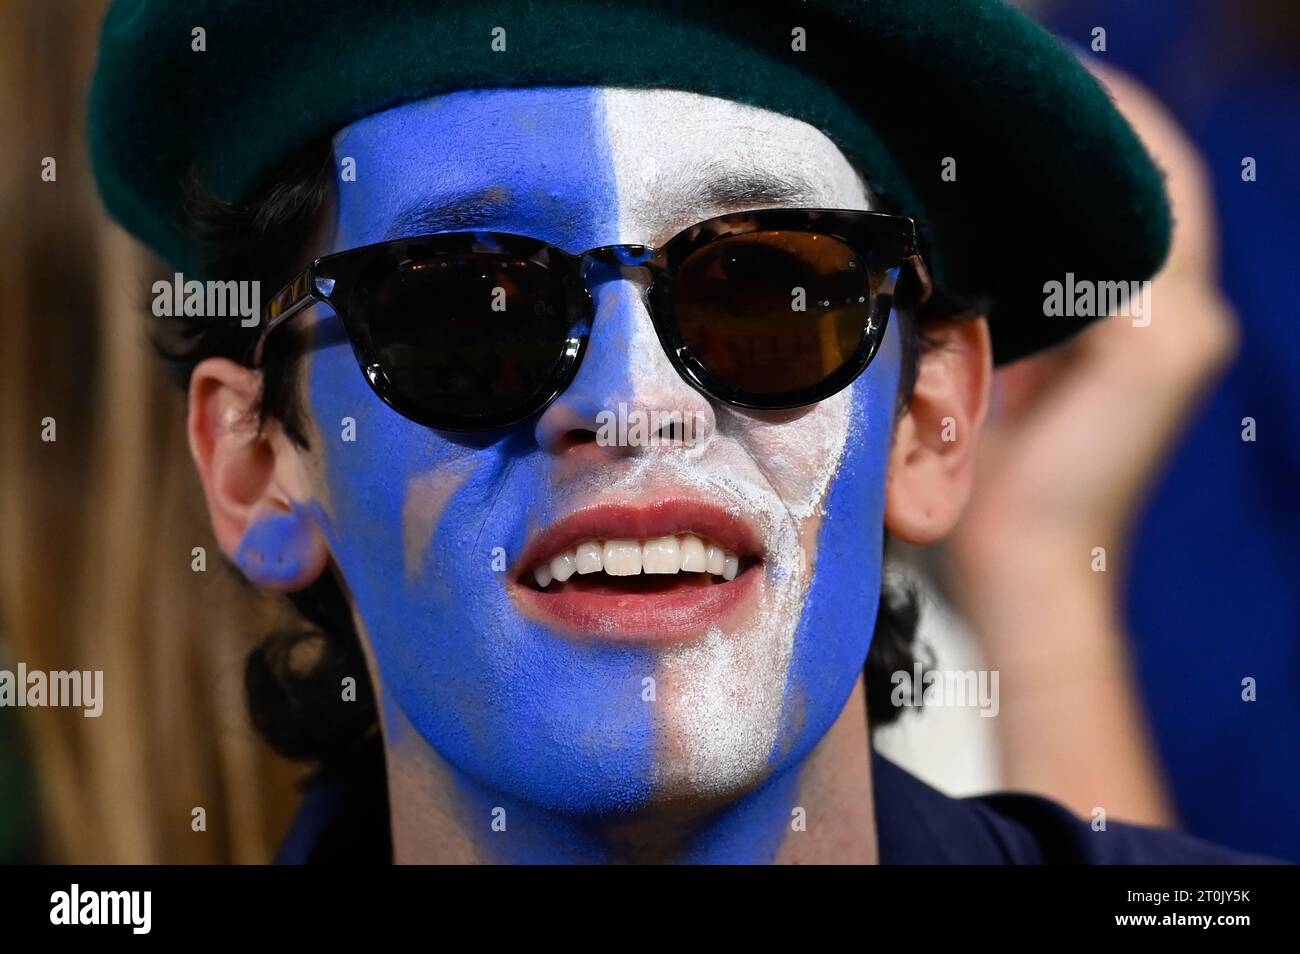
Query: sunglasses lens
point(470, 340)
point(773, 312)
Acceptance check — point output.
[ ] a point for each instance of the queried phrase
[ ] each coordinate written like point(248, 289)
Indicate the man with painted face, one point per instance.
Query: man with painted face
point(603, 349)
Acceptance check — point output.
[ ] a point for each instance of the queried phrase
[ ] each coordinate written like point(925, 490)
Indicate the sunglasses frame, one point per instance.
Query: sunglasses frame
point(886, 242)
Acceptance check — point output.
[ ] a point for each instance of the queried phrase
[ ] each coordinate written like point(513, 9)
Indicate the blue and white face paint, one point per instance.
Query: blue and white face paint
point(421, 524)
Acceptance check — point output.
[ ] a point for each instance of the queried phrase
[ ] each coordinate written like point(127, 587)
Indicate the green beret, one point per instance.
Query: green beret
point(1044, 177)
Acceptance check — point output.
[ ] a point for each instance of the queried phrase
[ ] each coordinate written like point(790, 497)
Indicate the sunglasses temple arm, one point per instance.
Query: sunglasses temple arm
point(922, 277)
point(293, 298)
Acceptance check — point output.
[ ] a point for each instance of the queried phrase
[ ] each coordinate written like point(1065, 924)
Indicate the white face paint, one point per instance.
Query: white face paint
point(721, 699)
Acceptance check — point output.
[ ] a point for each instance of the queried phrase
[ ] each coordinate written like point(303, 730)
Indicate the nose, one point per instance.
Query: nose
point(626, 396)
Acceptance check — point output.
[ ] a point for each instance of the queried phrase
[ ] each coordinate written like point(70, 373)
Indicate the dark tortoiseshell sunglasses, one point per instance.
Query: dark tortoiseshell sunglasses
point(475, 331)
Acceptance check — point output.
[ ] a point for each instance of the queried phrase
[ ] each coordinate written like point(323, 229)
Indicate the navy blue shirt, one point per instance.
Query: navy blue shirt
point(341, 821)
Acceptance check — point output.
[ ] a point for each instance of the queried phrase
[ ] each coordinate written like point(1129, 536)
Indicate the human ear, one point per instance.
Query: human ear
point(253, 480)
point(932, 461)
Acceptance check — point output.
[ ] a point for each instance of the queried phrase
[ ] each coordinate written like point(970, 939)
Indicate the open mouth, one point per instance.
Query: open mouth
point(638, 565)
point(661, 571)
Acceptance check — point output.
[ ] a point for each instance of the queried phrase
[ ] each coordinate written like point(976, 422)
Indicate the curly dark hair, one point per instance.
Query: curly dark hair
point(292, 677)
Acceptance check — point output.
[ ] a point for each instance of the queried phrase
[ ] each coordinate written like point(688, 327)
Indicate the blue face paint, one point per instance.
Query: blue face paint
point(839, 614)
point(421, 524)
point(515, 709)
point(277, 550)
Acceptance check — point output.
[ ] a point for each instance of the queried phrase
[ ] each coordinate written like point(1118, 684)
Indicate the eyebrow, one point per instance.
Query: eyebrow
point(713, 184)
point(463, 213)
point(720, 184)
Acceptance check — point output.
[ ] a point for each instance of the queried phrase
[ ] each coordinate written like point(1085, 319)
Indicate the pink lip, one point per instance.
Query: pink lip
point(673, 615)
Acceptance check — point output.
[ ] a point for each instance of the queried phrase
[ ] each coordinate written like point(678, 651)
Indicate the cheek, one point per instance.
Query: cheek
point(844, 539)
point(386, 485)
point(415, 522)
point(831, 462)
point(393, 497)
point(386, 488)
point(366, 453)
point(801, 458)
point(850, 538)
point(854, 477)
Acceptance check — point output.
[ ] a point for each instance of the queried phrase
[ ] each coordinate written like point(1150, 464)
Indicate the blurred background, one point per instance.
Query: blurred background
point(1125, 690)
point(98, 525)
point(1212, 587)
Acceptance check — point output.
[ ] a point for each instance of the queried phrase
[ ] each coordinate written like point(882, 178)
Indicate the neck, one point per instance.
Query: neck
point(820, 811)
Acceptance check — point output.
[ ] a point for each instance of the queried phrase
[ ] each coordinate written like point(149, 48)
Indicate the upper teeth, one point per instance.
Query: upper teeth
point(679, 553)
